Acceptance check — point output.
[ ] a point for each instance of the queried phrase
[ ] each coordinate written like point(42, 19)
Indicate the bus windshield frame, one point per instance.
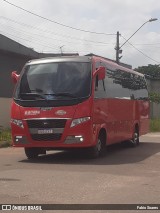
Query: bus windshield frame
point(54, 81)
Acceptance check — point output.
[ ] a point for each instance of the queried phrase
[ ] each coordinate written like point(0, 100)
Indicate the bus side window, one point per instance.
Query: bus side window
point(96, 83)
point(99, 88)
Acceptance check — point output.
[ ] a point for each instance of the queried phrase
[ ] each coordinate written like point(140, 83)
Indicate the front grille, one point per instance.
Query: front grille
point(46, 137)
point(47, 123)
point(35, 125)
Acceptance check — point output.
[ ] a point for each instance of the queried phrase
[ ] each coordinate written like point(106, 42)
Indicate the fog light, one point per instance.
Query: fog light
point(80, 138)
point(74, 139)
point(19, 139)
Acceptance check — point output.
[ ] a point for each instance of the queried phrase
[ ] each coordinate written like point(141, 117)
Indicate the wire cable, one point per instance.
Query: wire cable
point(35, 36)
point(141, 51)
point(46, 31)
point(23, 39)
point(58, 23)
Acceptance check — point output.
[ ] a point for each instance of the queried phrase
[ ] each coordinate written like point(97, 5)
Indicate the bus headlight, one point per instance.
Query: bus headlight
point(78, 121)
point(17, 122)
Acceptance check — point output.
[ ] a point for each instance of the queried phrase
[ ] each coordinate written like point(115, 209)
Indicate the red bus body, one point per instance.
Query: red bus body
point(51, 127)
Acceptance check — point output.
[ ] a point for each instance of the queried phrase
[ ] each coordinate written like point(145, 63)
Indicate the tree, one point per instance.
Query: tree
point(154, 97)
point(150, 71)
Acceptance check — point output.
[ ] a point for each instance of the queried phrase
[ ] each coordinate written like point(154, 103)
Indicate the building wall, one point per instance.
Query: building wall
point(154, 86)
point(8, 63)
point(13, 56)
point(5, 104)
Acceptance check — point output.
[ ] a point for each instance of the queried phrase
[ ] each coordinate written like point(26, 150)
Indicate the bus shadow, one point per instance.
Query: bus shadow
point(115, 155)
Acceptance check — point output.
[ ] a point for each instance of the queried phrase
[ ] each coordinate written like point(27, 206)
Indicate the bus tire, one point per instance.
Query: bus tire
point(135, 140)
point(31, 153)
point(100, 147)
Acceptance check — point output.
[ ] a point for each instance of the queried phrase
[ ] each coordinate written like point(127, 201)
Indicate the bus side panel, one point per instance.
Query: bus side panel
point(118, 116)
point(100, 118)
point(122, 113)
point(143, 112)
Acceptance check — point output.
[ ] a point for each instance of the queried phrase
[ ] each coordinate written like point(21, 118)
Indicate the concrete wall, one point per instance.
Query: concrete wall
point(5, 104)
point(154, 110)
point(8, 63)
point(9, 45)
point(154, 86)
point(13, 56)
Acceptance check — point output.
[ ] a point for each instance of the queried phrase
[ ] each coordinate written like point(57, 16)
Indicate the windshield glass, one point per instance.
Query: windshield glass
point(49, 81)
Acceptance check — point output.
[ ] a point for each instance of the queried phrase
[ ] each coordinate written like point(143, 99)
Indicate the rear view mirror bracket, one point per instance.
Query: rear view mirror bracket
point(101, 71)
point(15, 77)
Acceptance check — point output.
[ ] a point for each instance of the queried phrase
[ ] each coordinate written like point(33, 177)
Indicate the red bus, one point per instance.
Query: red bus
point(77, 102)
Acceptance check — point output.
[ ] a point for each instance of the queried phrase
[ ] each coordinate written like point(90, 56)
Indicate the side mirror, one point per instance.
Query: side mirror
point(15, 77)
point(101, 73)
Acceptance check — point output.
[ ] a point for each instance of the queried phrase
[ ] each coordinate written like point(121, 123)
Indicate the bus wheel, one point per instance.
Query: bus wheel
point(135, 140)
point(100, 148)
point(31, 153)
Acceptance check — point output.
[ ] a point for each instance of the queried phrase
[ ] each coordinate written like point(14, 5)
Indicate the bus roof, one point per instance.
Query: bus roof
point(60, 59)
point(84, 59)
point(114, 65)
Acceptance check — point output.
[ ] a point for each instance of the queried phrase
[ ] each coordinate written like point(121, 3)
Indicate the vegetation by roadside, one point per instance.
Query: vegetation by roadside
point(155, 125)
point(5, 137)
point(5, 134)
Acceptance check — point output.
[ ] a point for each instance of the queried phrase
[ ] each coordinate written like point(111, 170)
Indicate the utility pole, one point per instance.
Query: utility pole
point(118, 50)
point(61, 49)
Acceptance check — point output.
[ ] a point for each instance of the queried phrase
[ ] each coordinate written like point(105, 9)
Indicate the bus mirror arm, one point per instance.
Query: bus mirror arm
point(15, 77)
point(101, 71)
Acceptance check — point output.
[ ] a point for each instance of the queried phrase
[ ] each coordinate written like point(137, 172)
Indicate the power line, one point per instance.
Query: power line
point(83, 52)
point(140, 43)
point(151, 44)
point(31, 34)
point(55, 22)
point(141, 51)
point(71, 37)
point(18, 37)
point(26, 25)
point(27, 34)
point(39, 42)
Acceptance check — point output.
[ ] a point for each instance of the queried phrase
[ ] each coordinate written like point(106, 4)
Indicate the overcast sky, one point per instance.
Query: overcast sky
point(105, 16)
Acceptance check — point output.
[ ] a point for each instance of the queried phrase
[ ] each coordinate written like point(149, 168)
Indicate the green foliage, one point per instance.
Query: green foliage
point(5, 137)
point(155, 125)
point(154, 97)
point(151, 71)
point(5, 144)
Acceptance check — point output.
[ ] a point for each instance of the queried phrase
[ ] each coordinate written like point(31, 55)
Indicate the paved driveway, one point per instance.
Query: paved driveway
point(124, 176)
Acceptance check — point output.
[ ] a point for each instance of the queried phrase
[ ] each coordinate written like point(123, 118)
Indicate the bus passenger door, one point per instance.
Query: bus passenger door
point(101, 110)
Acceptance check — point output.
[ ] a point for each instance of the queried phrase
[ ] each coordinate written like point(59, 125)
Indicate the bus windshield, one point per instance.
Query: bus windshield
point(52, 81)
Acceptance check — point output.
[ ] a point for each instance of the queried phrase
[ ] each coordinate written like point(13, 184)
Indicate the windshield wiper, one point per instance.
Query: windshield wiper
point(46, 96)
point(37, 90)
point(34, 95)
point(66, 94)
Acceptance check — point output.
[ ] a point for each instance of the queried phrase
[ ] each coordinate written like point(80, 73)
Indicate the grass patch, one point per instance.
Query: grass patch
point(5, 137)
point(155, 125)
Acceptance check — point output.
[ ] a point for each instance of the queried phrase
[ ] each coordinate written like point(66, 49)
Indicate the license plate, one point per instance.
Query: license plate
point(45, 131)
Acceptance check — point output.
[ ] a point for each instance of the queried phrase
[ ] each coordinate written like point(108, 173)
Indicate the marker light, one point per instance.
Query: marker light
point(17, 122)
point(78, 121)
